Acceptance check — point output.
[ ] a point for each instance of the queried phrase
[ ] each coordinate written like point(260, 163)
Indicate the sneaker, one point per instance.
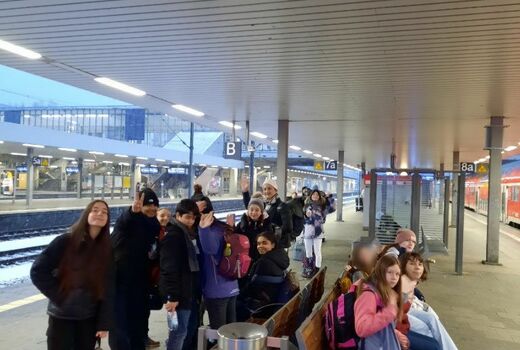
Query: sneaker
point(150, 343)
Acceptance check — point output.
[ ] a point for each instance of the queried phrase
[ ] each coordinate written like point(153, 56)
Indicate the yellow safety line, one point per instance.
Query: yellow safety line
point(22, 302)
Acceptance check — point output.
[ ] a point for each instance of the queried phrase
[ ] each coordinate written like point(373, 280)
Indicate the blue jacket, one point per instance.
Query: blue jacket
point(214, 285)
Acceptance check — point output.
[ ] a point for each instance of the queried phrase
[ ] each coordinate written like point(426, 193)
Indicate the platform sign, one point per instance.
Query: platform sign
point(467, 167)
point(21, 168)
point(71, 170)
point(233, 150)
point(332, 165)
point(319, 165)
point(177, 170)
point(36, 161)
point(149, 170)
point(482, 168)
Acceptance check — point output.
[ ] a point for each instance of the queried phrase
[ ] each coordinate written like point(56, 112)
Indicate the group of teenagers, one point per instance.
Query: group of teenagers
point(97, 281)
point(390, 312)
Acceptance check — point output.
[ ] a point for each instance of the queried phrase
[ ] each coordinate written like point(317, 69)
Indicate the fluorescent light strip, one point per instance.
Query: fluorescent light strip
point(89, 160)
point(317, 155)
point(125, 164)
point(67, 149)
point(1, 142)
point(142, 158)
point(176, 162)
point(188, 110)
point(96, 152)
point(258, 134)
point(306, 151)
point(326, 158)
point(229, 124)
point(121, 155)
point(45, 156)
point(159, 160)
point(296, 148)
point(107, 162)
point(275, 141)
point(69, 158)
point(7, 46)
point(18, 154)
point(120, 86)
point(31, 145)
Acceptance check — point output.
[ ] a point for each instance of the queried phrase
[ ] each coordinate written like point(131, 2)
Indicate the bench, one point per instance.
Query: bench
point(286, 320)
point(311, 335)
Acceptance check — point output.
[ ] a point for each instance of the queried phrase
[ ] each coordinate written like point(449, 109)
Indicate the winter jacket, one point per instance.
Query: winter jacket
point(79, 304)
point(132, 240)
point(251, 229)
point(214, 285)
point(314, 222)
point(178, 282)
point(368, 320)
point(296, 206)
point(271, 264)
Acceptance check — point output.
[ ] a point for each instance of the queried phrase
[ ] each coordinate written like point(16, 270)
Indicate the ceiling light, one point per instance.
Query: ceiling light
point(1, 142)
point(230, 125)
point(306, 151)
point(275, 141)
point(125, 164)
point(214, 166)
point(153, 166)
point(121, 155)
point(107, 162)
point(4, 45)
point(96, 152)
point(67, 149)
point(89, 160)
point(258, 134)
point(31, 145)
point(510, 148)
point(176, 162)
point(188, 110)
point(159, 160)
point(166, 167)
point(18, 154)
point(317, 155)
point(296, 148)
point(202, 164)
point(267, 167)
point(44, 156)
point(69, 158)
point(120, 86)
point(143, 158)
point(326, 158)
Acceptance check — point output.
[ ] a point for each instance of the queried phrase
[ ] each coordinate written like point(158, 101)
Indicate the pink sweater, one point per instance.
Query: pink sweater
point(367, 320)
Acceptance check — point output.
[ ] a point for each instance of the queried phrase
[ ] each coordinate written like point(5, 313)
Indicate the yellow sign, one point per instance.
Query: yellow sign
point(126, 181)
point(482, 168)
point(319, 165)
point(45, 162)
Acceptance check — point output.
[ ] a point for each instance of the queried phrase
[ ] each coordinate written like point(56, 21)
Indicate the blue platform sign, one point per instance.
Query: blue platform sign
point(71, 170)
point(36, 161)
point(233, 150)
point(149, 170)
point(21, 168)
point(332, 165)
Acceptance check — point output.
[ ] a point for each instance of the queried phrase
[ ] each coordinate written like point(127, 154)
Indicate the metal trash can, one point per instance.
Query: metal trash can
point(242, 336)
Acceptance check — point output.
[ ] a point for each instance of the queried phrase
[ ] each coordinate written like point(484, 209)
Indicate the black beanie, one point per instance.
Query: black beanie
point(150, 197)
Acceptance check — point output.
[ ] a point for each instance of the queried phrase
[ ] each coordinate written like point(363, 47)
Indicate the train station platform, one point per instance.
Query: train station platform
point(479, 308)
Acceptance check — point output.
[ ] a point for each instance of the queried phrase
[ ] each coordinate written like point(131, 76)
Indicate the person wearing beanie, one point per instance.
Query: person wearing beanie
point(278, 211)
point(132, 239)
point(406, 239)
point(252, 223)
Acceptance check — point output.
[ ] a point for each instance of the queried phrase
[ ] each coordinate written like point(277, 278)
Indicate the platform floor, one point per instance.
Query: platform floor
point(480, 309)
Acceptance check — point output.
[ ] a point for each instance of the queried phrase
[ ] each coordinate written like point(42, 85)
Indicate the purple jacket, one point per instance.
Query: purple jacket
point(213, 284)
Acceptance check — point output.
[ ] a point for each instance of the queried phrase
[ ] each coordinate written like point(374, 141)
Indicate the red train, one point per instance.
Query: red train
point(476, 194)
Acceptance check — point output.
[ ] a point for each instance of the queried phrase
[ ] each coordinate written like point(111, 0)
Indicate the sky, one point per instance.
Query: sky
point(21, 89)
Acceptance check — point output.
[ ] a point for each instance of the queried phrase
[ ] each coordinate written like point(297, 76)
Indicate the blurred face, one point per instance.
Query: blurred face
point(164, 216)
point(414, 269)
point(409, 245)
point(264, 245)
point(150, 210)
point(315, 197)
point(367, 256)
point(269, 191)
point(98, 216)
point(254, 212)
point(202, 206)
point(392, 274)
point(187, 220)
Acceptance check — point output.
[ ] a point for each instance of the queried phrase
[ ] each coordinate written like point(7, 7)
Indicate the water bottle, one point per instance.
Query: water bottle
point(173, 321)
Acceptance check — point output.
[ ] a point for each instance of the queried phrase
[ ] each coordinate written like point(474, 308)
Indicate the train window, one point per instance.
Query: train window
point(515, 193)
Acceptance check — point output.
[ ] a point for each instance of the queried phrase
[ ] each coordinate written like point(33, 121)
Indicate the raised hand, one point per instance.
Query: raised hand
point(244, 183)
point(206, 220)
point(137, 205)
point(230, 220)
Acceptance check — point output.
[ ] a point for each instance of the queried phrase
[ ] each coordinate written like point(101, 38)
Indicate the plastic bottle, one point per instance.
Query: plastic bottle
point(173, 321)
point(227, 250)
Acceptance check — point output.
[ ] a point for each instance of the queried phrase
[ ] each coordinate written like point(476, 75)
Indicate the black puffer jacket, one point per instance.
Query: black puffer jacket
point(251, 229)
point(79, 304)
point(272, 264)
point(178, 282)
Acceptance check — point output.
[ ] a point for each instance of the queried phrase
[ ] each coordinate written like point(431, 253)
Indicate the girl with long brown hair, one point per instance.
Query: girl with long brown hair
point(74, 273)
point(378, 305)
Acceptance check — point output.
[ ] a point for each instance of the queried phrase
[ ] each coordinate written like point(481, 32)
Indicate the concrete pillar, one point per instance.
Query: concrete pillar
point(30, 178)
point(63, 176)
point(282, 159)
point(339, 203)
point(233, 182)
point(454, 178)
point(494, 135)
point(80, 178)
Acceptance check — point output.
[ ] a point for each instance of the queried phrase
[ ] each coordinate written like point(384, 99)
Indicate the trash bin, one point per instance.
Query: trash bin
point(242, 336)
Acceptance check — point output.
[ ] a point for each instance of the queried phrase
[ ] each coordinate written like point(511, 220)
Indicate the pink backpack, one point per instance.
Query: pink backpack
point(237, 264)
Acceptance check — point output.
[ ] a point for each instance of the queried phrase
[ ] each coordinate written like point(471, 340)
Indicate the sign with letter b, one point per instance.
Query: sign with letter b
point(233, 150)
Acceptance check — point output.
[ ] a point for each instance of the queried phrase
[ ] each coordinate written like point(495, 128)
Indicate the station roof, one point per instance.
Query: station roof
point(421, 77)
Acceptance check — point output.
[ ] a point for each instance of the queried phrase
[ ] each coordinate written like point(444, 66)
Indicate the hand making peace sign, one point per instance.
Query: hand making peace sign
point(137, 205)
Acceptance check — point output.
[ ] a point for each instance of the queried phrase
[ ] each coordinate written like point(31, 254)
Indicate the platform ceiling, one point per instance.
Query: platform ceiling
point(422, 77)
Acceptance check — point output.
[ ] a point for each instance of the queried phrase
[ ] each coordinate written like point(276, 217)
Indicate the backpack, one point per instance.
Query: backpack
point(340, 328)
point(237, 264)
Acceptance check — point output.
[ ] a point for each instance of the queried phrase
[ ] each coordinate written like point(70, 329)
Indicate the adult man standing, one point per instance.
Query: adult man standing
point(132, 240)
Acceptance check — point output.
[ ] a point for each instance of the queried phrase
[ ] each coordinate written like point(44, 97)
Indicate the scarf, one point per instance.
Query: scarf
point(192, 254)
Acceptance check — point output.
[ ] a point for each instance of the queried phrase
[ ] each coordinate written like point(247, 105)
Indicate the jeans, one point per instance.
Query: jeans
point(221, 311)
point(422, 342)
point(71, 334)
point(427, 323)
point(183, 337)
